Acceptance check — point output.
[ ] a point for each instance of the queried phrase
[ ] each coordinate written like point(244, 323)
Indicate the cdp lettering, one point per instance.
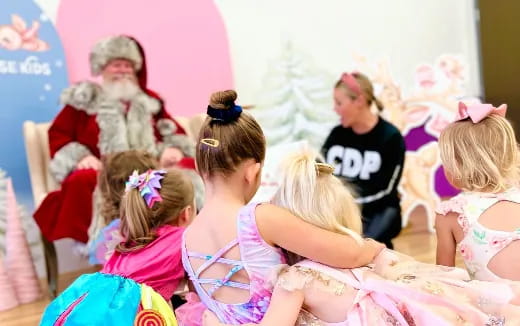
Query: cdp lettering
point(351, 163)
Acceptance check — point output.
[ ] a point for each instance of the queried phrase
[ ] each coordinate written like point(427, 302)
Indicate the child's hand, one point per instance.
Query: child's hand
point(89, 162)
point(368, 251)
point(374, 247)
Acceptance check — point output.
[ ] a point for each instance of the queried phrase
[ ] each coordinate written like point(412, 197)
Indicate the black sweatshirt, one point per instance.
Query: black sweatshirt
point(370, 163)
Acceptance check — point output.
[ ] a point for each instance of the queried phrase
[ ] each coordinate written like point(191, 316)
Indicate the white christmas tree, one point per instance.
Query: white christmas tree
point(27, 222)
point(296, 102)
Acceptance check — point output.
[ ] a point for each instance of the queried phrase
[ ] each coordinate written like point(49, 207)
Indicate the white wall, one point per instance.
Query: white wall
point(331, 32)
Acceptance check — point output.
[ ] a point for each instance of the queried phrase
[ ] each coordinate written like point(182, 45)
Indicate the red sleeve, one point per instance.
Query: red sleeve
point(63, 129)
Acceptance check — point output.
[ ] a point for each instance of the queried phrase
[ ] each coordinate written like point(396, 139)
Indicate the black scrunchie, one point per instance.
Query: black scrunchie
point(225, 116)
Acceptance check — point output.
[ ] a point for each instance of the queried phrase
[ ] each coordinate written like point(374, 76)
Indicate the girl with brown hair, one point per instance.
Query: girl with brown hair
point(108, 195)
point(145, 269)
point(232, 246)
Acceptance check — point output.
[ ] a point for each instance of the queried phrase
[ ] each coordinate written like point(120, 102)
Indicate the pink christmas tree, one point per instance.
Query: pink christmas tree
point(19, 263)
point(8, 298)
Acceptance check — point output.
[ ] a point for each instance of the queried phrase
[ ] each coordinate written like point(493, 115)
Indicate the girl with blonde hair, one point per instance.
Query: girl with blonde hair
point(479, 153)
point(394, 290)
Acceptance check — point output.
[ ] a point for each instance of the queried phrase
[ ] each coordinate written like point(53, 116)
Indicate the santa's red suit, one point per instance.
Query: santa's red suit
point(91, 123)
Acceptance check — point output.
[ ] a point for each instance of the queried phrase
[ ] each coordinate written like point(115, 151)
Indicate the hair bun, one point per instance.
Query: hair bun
point(223, 100)
point(222, 107)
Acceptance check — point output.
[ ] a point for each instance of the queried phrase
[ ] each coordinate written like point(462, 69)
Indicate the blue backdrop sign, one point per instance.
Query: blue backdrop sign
point(32, 75)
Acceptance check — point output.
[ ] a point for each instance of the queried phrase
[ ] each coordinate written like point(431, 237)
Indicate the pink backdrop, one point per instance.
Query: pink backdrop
point(185, 42)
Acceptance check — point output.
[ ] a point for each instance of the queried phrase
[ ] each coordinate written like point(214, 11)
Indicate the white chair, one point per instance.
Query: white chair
point(37, 149)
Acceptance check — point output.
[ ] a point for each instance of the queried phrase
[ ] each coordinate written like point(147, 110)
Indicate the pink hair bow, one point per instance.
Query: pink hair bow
point(477, 112)
point(351, 82)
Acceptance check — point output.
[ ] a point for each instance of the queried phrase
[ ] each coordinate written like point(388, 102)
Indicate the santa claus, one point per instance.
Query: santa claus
point(98, 119)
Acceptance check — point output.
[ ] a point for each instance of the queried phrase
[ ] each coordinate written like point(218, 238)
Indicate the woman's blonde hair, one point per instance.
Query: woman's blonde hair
point(224, 145)
point(311, 192)
point(366, 87)
point(481, 156)
point(139, 222)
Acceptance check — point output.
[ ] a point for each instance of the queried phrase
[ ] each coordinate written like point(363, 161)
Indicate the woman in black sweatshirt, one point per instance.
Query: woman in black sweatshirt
point(368, 154)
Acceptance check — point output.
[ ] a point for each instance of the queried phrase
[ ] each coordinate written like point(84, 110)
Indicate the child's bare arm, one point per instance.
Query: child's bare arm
point(279, 227)
point(446, 244)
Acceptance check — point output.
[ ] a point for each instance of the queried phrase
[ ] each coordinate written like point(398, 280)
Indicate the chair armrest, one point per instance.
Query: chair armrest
point(35, 161)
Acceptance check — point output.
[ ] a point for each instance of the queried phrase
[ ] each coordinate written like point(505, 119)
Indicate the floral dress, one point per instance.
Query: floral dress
point(480, 244)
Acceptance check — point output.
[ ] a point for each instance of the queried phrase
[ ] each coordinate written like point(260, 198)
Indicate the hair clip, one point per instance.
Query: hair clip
point(210, 142)
point(351, 82)
point(324, 168)
point(225, 115)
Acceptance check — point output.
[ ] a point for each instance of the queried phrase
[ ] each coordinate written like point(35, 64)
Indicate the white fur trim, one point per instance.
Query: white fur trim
point(166, 127)
point(65, 160)
point(182, 142)
point(112, 127)
point(81, 96)
point(98, 221)
point(118, 134)
point(198, 186)
point(116, 47)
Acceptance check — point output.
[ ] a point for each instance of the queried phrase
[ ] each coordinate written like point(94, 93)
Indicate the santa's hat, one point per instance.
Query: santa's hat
point(18, 261)
point(120, 47)
point(115, 47)
point(8, 298)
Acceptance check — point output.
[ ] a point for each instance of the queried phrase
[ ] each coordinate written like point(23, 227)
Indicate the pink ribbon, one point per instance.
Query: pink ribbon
point(477, 112)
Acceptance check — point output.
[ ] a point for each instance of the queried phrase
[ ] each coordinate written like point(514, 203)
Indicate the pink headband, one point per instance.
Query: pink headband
point(477, 112)
point(351, 82)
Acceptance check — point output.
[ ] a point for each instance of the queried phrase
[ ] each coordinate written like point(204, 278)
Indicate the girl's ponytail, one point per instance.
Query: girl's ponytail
point(152, 199)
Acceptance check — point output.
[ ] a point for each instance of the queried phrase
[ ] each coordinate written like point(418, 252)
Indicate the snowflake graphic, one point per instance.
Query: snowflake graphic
point(44, 17)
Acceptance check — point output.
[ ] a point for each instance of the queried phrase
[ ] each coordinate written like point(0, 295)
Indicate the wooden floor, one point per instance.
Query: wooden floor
point(418, 243)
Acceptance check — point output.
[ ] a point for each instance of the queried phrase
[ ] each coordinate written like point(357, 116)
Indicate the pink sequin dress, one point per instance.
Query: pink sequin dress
point(397, 290)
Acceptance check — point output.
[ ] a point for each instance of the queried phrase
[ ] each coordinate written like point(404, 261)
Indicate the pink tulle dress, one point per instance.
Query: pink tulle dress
point(397, 290)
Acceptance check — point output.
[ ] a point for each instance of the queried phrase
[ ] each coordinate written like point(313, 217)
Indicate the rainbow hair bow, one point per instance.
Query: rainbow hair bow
point(147, 183)
point(477, 112)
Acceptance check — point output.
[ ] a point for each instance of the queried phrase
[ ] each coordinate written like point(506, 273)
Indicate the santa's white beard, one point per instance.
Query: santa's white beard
point(121, 89)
